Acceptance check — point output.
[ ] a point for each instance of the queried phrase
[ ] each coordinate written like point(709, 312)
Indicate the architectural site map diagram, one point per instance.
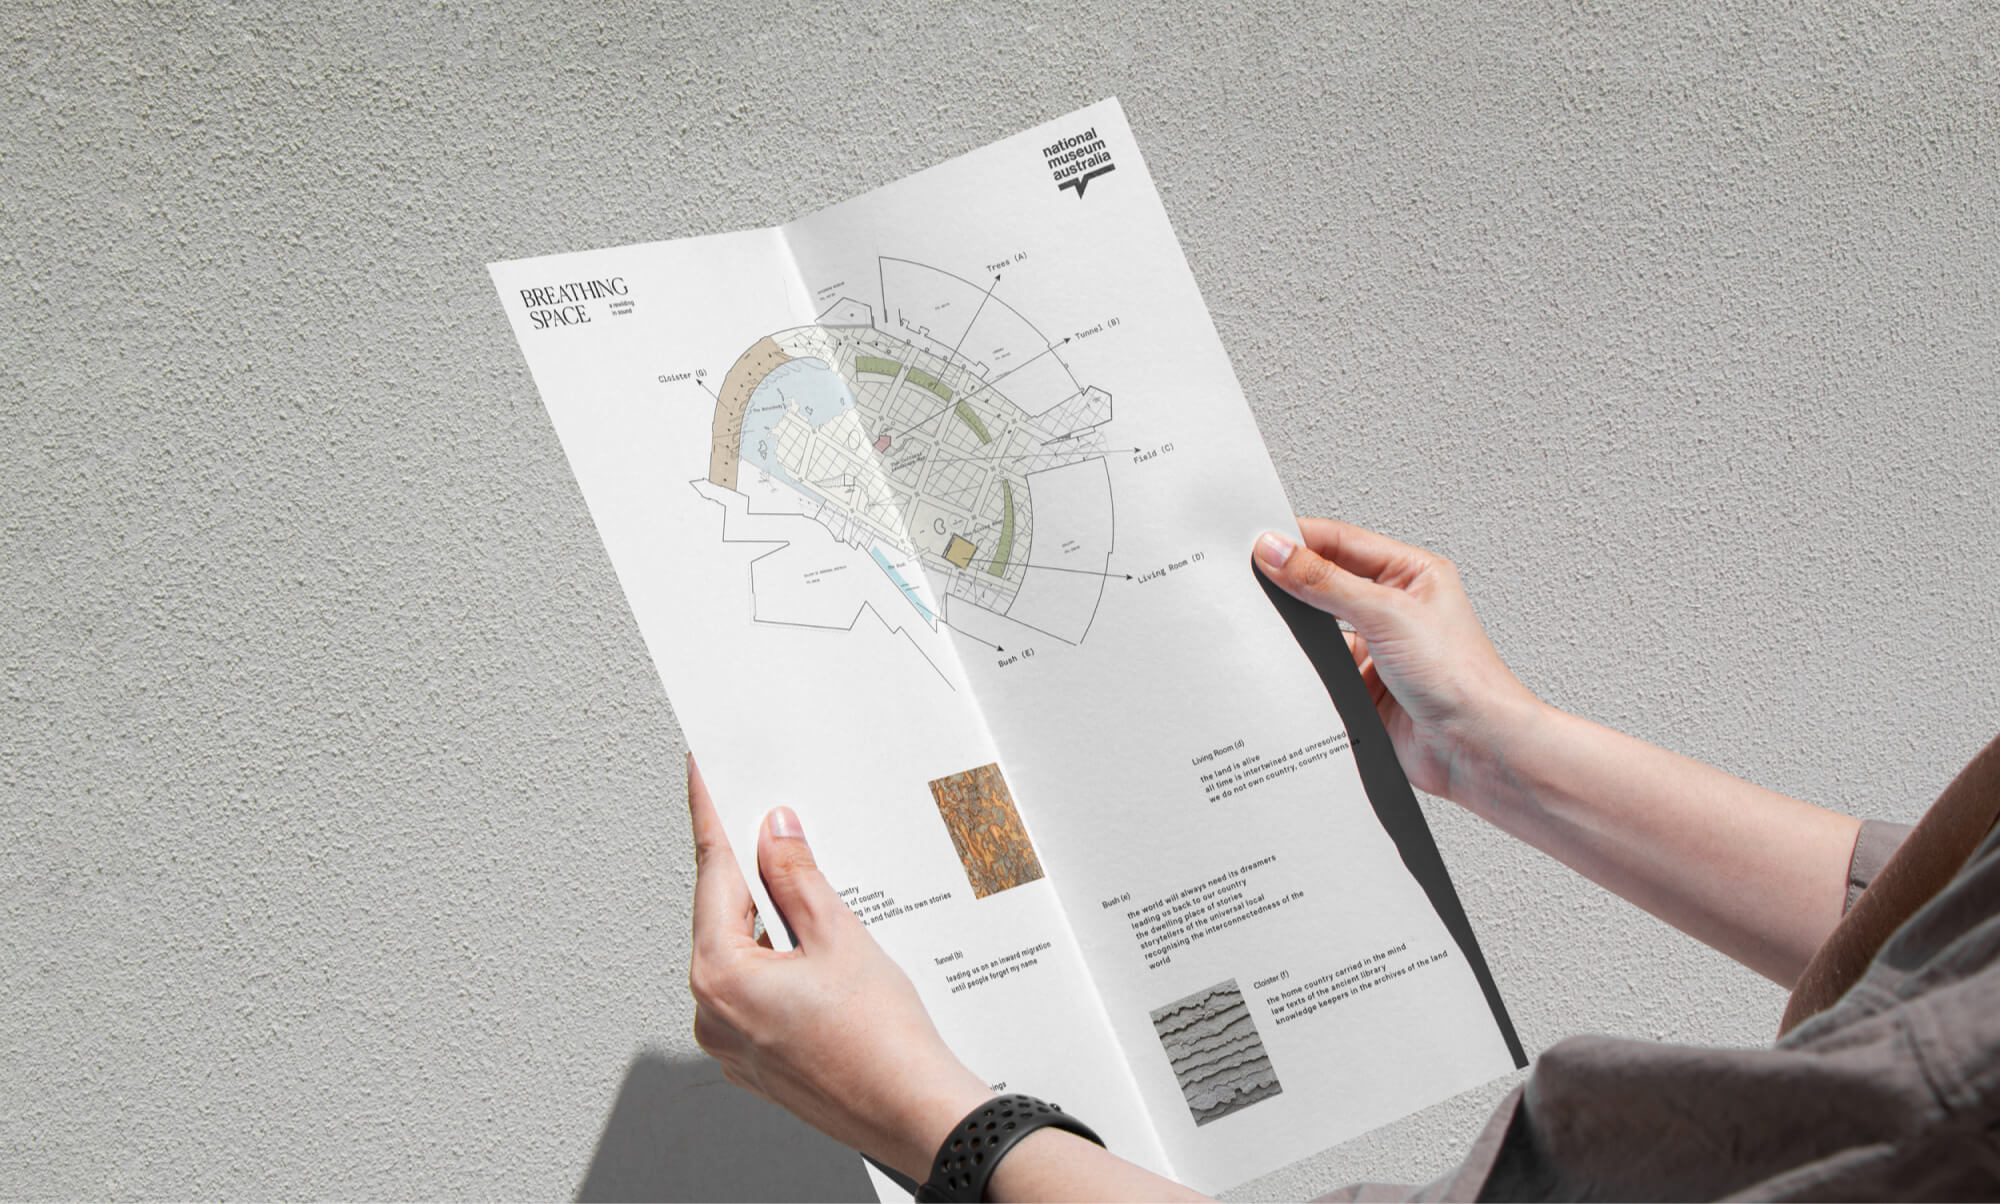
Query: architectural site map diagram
point(938, 465)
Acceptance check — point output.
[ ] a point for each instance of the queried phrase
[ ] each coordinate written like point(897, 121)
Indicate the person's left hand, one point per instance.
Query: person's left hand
point(831, 1031)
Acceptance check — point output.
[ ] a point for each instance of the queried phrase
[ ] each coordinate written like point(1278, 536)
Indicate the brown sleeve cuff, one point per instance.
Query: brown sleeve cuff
point(1873, 846)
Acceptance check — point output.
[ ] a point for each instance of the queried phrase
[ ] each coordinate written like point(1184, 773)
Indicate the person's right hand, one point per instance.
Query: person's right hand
point(832, 1030)
point(1443, 692)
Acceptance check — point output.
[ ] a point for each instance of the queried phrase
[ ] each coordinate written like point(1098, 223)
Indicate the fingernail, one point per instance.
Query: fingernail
point(784, 825)
point(1273, 549)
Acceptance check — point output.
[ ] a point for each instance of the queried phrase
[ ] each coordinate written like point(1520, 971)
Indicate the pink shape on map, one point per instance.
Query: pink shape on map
point(882, 444)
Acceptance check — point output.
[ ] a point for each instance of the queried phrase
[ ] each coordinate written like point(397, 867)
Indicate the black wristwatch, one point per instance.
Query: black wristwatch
point(976, 1144)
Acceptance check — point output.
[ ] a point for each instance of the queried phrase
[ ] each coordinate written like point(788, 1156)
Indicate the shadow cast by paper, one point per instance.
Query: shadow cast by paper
point(680, 1131)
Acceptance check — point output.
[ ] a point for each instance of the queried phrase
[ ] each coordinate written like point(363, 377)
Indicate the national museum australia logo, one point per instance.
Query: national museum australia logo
point(574, 302)
point(1077, 160)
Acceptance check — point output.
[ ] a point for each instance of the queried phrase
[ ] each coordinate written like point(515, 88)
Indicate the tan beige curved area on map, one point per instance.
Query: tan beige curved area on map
point(733, 399)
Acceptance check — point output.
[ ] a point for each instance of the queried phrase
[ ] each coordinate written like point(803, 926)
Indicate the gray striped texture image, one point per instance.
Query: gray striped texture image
point(1216, 1054)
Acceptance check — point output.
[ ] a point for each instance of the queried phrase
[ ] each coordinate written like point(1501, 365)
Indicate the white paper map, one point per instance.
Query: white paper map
point(935, 510)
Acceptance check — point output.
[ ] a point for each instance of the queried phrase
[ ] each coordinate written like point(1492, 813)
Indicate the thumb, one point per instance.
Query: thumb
point(1320, 583)
point(806, 902)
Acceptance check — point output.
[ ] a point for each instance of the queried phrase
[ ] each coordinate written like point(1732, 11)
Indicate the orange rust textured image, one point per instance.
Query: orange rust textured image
point(986, 830)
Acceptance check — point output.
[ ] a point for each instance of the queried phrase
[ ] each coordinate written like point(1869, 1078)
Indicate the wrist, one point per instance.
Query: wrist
point(1488, 771)
point(1026, 1167)
point(998, 1133)
point(935, 1109)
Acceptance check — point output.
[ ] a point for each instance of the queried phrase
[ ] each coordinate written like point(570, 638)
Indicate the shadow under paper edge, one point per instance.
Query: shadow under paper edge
point(679, 1131)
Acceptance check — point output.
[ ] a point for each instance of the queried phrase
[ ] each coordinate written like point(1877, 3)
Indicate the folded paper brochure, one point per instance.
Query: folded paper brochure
point(934, 509)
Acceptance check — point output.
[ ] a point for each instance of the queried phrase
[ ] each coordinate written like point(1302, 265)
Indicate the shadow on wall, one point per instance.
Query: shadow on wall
point(680, 1131)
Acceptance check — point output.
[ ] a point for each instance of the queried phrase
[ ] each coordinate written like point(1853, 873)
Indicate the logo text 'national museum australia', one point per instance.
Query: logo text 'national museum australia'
point(1077, 160)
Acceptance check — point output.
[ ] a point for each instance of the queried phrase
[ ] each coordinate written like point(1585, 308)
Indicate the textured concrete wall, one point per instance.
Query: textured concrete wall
point(342, 848)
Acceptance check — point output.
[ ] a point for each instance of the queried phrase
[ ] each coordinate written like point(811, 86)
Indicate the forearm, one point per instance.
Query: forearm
point(1758, 875)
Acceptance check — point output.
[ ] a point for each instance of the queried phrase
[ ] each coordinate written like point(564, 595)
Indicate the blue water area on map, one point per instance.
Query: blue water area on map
point(811, 385)
point(909, 592)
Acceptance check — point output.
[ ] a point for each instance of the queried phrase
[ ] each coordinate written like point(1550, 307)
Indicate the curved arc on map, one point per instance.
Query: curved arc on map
point(924, 460)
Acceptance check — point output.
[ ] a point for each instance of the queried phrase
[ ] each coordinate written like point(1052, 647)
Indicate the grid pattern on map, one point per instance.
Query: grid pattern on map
point(970, 470)
point(986, 830)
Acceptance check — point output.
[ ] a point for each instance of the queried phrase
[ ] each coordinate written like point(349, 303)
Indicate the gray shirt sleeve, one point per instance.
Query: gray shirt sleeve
point(1890, 1094)
point(1873, 846)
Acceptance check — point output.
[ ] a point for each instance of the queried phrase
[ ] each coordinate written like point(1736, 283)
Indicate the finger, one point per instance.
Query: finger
point(1357, 644)
point(1361, 551)
point(1364, 662)
point(1379, 693)
point(1371, 677)
point(1319, 582)
point(723, 910)
point(806, 902)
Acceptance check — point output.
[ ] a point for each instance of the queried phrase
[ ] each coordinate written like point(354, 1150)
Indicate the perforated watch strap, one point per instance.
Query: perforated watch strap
point(966, 1159)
